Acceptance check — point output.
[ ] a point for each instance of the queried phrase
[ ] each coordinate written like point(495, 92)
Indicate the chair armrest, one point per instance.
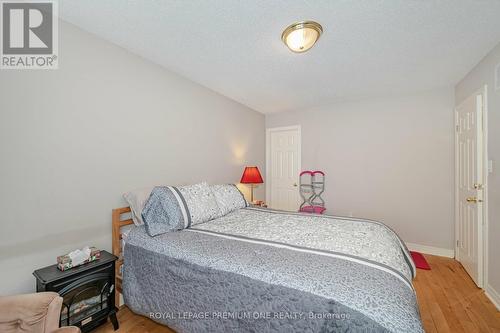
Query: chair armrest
point(37, 312)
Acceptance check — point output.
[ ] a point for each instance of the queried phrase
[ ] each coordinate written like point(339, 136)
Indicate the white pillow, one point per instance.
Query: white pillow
point(136, 200)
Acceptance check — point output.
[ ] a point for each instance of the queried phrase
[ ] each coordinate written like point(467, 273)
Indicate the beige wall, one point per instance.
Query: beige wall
point(389, 159)
point(483, 74)
point(73, 140)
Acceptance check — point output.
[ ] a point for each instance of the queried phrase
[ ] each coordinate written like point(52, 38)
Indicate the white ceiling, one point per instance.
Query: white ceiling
point(369, 47)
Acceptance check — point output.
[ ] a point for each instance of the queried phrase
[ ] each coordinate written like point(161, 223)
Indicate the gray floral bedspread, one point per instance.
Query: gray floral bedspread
point(257, 270)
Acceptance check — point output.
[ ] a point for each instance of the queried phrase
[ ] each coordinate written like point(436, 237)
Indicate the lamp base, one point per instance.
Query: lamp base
point(251, 192)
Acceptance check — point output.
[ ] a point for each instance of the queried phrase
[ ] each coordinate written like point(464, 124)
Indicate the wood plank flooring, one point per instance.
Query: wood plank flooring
point(449, 302)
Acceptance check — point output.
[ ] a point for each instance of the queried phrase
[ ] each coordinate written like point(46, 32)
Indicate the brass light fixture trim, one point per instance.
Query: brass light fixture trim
point(301, 42)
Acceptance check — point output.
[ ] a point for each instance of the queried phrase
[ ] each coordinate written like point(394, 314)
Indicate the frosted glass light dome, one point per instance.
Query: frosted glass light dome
point(301, 36)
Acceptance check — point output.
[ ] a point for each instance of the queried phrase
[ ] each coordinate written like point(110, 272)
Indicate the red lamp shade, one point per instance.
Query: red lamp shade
point(251, 175)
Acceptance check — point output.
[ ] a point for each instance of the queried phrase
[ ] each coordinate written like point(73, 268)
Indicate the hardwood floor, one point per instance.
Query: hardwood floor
point(449, 302)
point(132, 323)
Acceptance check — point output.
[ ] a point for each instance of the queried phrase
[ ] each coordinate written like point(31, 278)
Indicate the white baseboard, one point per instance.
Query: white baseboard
point(436, 251)
point(493, 295)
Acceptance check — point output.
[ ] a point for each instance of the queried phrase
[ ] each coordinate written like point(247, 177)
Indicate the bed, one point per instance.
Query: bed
point(261, 270)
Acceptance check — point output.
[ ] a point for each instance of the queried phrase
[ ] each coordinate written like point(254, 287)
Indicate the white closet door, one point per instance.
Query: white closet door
point(469, 160)
point(283, 167)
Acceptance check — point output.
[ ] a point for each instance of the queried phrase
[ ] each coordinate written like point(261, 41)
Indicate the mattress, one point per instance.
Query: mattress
point(270, 271)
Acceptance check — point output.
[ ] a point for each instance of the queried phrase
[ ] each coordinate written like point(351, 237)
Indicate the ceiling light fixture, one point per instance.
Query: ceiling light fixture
point(301, 36)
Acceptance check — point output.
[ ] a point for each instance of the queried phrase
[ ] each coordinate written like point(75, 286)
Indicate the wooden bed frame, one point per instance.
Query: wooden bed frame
point(117, 223)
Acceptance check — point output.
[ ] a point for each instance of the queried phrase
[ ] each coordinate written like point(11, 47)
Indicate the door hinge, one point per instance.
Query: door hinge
point(458, 243)
point(457, 128)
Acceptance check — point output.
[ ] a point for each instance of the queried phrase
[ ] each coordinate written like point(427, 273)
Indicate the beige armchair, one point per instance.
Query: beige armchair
point(32, 313)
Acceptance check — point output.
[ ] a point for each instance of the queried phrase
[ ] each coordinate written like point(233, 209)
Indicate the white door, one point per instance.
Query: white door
point(469, 185)
point(283, 167)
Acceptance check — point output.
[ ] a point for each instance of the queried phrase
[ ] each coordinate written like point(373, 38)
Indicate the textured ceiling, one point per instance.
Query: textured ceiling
point(369, 47)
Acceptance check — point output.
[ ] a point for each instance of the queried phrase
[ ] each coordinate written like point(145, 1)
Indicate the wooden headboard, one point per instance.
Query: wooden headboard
point(117, 223)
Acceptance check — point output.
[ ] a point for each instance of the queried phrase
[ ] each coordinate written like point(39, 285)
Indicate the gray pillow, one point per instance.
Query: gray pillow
point(172, 208)
point(164, 211)
point(200, 203)
point(228, 197)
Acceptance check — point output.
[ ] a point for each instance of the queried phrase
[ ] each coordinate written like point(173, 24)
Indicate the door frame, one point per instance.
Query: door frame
point(483, 282)
point(270, 130)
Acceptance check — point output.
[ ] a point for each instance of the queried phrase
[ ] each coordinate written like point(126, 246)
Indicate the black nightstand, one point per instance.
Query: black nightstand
point(88, 292)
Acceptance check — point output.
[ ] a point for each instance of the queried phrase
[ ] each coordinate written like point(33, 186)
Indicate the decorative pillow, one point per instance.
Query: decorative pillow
point(136, 200)
point(200, 202)
point(172, 208)
point(164, 211)
point(228, 197)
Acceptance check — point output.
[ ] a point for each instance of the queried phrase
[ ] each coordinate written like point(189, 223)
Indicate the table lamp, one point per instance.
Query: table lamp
point(251, 175)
